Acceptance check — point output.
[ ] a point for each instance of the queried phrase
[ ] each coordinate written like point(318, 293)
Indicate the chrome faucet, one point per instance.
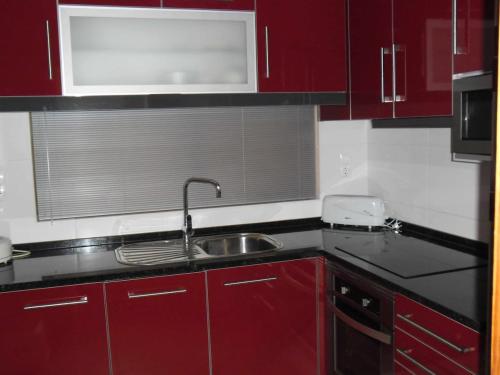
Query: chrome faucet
point(187, 228)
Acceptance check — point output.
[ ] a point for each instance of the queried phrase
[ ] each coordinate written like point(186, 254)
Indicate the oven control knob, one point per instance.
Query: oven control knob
point(365, 302)
point(344, 290)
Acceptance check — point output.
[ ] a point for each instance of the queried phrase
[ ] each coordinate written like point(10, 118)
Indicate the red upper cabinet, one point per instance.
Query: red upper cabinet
point(211, 4)
point(263, 319)
point(423, 58)
point(474, 41)
point(54, 331)
point(159, 325)
point(370, 28)
point(29, 58)
point(121, 3)
point(401, 58)
point(301, 47)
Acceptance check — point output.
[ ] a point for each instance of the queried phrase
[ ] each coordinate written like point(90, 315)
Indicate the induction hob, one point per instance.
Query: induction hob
point(404, 256)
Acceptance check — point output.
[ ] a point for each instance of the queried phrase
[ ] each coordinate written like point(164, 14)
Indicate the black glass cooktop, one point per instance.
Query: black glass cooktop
point(404, 256)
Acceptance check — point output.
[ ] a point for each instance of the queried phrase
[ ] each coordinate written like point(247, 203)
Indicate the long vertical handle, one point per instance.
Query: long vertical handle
point(268, 71)
point(398, 48)
point(383, 98)
point(49, 50)
point(454, 26)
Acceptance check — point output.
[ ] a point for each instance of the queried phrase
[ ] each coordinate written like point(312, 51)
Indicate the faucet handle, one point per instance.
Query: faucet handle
point(188, 228)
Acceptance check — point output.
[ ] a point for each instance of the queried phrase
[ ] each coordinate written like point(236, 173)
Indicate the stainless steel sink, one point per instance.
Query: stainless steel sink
point(237, 244)
point(173, 251)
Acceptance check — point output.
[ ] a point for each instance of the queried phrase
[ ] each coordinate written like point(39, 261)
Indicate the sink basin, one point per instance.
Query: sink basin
point(237, 244)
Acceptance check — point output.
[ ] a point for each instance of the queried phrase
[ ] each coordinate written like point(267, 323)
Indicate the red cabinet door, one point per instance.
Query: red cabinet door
point(29, 57)
point(475, 35)
point(263, 319)
point(54, 331)
point(121, 3)
point(159, 325)
point(301, 47)
point(370, 25)
point(423, 57)
point(211, 4)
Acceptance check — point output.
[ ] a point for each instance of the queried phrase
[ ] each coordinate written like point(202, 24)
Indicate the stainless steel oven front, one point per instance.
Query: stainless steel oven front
point(362, 324)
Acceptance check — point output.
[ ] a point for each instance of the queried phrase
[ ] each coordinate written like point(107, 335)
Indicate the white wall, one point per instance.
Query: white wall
point(409, 168)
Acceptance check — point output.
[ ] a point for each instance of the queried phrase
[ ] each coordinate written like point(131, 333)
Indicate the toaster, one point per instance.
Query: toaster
point(361, 210)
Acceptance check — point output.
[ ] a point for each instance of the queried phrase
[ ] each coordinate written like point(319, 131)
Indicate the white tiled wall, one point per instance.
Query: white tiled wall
point(409, 168)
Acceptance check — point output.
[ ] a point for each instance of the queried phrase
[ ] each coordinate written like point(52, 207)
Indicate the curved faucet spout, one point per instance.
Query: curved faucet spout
point(187, 228)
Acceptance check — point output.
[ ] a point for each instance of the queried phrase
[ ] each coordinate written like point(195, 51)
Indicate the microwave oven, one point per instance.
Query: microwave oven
point(473, 116)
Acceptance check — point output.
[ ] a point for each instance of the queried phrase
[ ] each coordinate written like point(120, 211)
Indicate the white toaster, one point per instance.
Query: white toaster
point(353, 210)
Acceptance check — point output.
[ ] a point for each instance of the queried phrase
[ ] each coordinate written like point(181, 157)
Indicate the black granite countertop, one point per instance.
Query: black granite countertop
point(460, 294)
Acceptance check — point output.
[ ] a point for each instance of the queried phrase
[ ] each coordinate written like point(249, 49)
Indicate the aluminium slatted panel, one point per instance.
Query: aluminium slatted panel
point(93, 163)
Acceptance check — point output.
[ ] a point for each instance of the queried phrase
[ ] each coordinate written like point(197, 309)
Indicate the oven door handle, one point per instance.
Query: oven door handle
point(382, 337)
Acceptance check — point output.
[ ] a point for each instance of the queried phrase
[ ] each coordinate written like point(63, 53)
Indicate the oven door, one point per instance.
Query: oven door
point(361, 346)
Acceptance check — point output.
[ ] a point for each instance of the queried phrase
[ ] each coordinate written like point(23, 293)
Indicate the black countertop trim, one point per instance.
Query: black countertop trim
point(71, 103)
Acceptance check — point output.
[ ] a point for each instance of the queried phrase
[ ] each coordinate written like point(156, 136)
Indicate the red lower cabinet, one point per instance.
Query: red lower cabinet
point(426, 340)
point(54, 331)
point(159, 325)
point(263, 319)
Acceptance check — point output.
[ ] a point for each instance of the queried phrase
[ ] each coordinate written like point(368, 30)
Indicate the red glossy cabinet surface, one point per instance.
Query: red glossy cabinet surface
point(211, 4)
point(423, 41)
point(301, 46)
point(370, 25)
point(263, 319)
point(475, 35)
point(121, 3)
point(159, 325)
point(400, 58)
point(27, 65)
point(54, 331)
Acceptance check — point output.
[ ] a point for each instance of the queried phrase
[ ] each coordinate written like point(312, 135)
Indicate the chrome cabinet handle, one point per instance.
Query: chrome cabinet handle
point(404, 367)
point(268, 71)
point(370, 332)
point(79, 301)
point(132, 295)
point(251, 281)
point(406, 318)
point(397, 48)
point(454, 26)
point(49, 49)
point(404, 353)
point(383, 98)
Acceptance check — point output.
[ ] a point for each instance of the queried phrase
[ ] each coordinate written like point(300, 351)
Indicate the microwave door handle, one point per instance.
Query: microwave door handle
point(382, 337)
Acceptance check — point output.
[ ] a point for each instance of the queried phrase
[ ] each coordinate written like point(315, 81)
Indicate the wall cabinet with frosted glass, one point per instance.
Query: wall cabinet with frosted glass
point(108, 51)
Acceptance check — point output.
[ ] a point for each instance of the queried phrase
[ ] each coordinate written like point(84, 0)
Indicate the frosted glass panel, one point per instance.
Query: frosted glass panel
point(156, 51)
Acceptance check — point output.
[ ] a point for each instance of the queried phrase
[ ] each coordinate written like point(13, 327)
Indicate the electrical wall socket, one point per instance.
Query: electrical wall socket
point(345, 171)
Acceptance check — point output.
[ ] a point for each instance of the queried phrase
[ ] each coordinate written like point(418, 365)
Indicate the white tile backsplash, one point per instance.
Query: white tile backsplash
point(410, 168)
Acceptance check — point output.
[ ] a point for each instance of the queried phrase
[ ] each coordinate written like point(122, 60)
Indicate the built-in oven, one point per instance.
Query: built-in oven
point(362, 324)
point(473, 116)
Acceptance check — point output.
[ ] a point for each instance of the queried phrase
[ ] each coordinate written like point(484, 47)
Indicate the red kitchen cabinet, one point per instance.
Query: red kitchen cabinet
point(120, 3)
point(211, 4)
point(370, 26)
point(263, 319)
point(159, 325)
point(54, 331)
point(474, 42)
point(29, 58)
point(434, 340)
point(400, 58)
point(301, 46)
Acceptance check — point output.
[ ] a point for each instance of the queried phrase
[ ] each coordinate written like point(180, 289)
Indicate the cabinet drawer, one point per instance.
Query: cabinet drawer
point(419, 358)
point(447, 336)
point(119, 3)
